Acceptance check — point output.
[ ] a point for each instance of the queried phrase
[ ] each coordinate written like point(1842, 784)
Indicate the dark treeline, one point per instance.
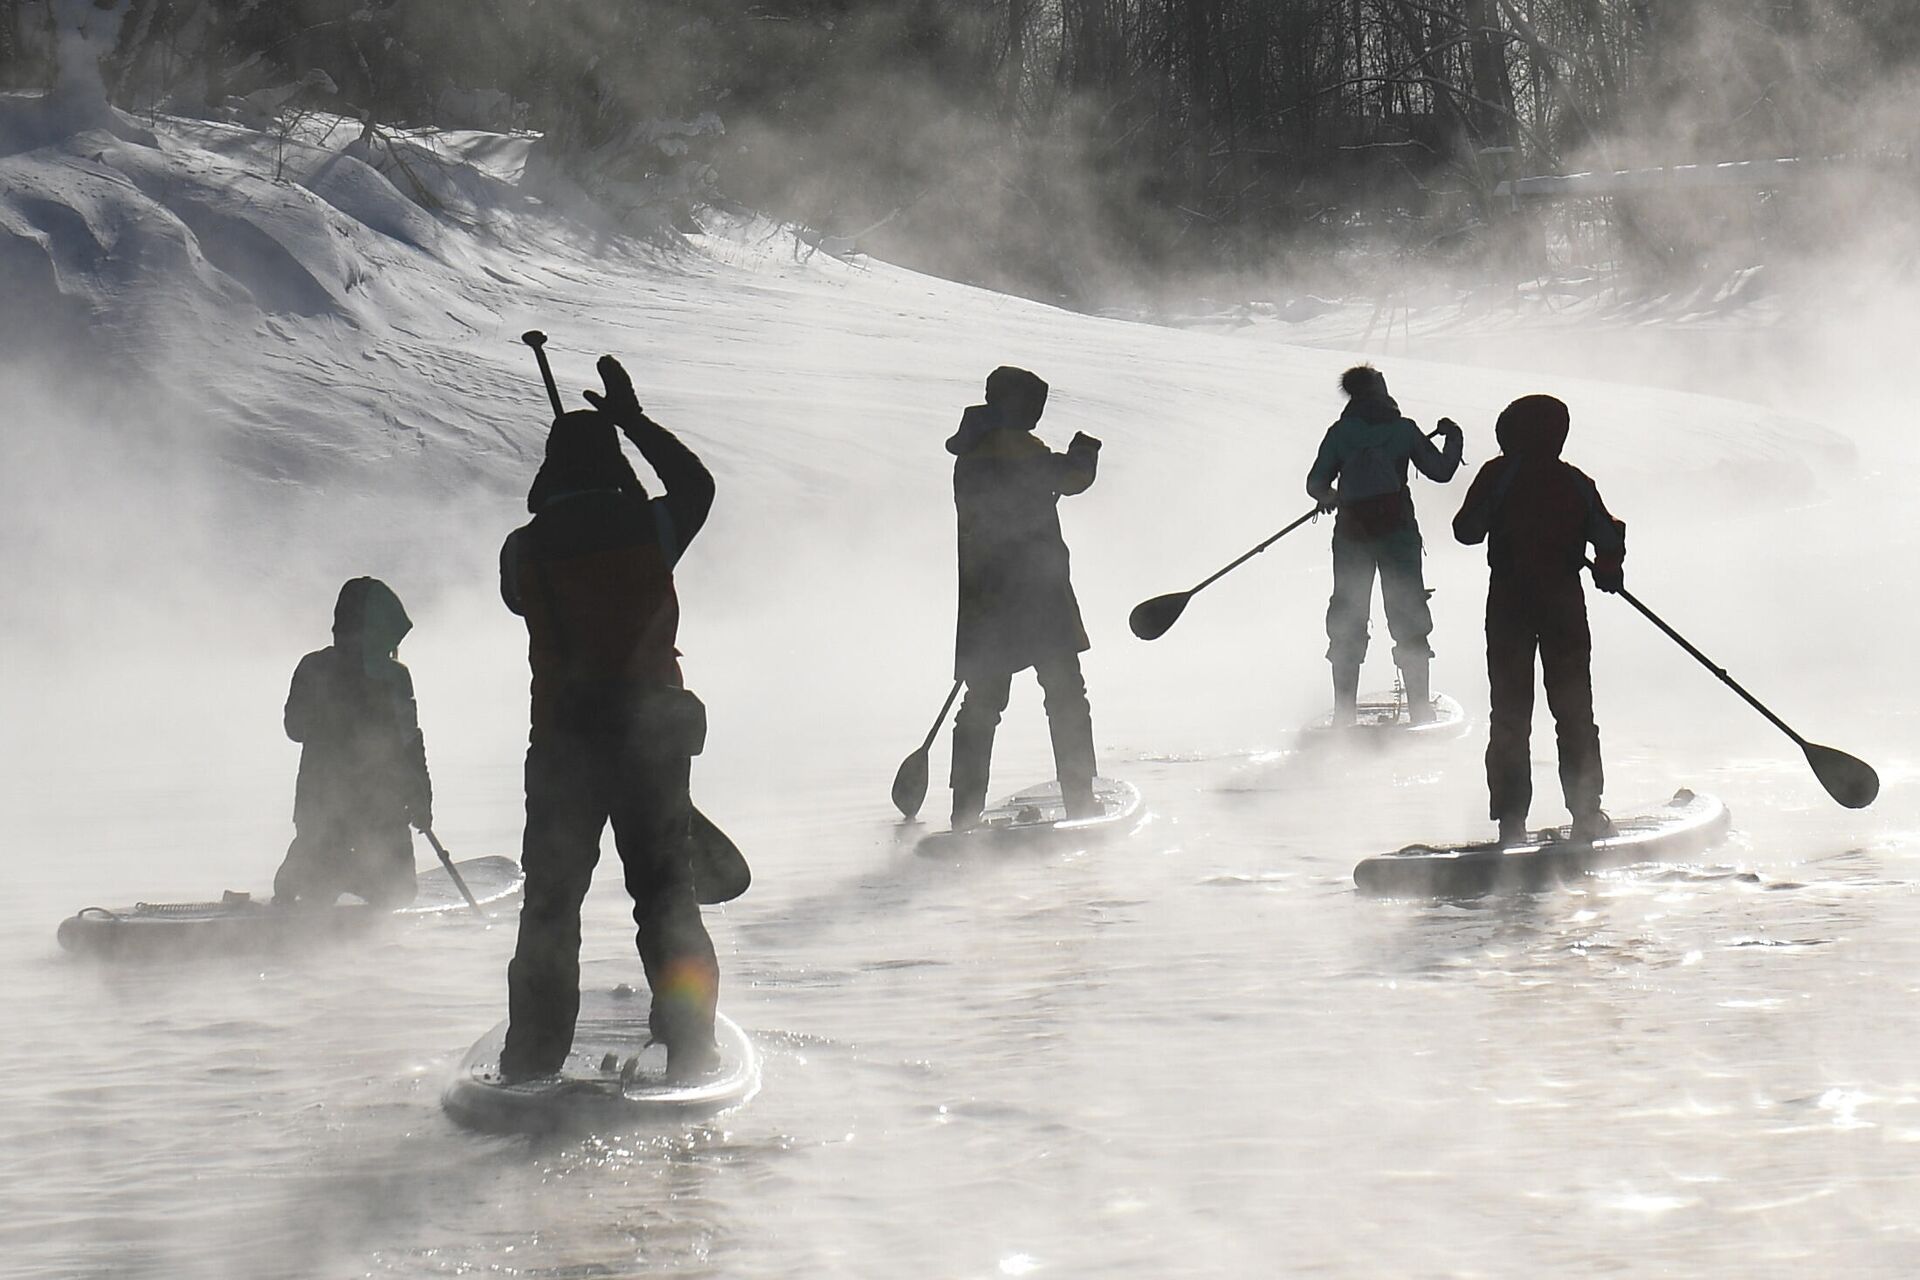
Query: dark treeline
point(1066, 147)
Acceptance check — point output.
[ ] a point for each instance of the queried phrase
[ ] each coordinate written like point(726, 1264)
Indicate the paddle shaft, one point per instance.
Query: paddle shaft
point(1709, 664)
point(942, 719)
point(538, 341)
point(446, 860)
point(1314, 511)
point(1256, 551)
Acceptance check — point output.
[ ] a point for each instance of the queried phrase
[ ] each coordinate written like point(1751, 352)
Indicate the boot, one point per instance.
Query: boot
point(972, 759)
point(1073, 764)
point(1346, 693)
point(1413, 676)
point(1077, 793)
point(1591, 825)
point(1513, 831)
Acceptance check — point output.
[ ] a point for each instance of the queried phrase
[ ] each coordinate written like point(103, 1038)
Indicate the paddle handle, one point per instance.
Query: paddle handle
point(1709, 664)
point(446, 860)
point(538, 341)
point(942, 717)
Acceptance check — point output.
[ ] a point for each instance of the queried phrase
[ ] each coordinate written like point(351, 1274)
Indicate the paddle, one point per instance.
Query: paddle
point(1150, 619)
point(1850, 781)
point(538, 341)
point(910, 783)
point(447, 861)
point(720, 871)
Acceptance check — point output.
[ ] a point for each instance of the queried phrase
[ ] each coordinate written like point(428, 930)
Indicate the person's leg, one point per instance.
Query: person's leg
point(1347, 610)
point(1566, 666)
point(382, 864)
point(1070, 721)
point(973, 730)
point(1510, 648)
point(565, 815)
point(1403, 589)
point(313, 872)
point(652, 814)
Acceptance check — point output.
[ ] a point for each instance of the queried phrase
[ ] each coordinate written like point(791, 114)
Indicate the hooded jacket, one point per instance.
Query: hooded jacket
point(1363, 464)
point(592, 572)
point(351, 708)
point(1017, 605)
point(1536, 513)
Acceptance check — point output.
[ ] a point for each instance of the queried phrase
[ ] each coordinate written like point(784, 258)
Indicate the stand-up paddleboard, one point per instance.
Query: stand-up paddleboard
point(1039, 816)
point(239, 922)
point(1685, 825)
point(613, 1076)
point(1383, 717)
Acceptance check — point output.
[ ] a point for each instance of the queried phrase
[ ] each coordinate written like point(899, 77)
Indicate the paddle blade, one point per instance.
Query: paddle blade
point(1151, 618)
point(720, 871)
point(910, 784)
point(1852, 782)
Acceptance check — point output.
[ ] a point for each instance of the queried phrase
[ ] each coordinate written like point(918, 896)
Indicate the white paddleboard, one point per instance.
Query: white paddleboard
point(1039, 816)
point(1383, 717)
point(1685, 825)
point(612, 1077)
point(240, 922)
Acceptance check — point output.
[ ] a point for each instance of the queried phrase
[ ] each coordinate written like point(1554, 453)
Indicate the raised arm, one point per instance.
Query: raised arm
point(1074, 470)
point(689, 485)
point(1438, 464)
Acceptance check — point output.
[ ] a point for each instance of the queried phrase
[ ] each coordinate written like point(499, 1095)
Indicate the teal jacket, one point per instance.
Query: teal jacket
point(1365, 455)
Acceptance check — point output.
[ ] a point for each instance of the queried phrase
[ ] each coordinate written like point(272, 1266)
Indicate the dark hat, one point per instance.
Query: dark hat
point(1363, 381)
point(1535, 424)
point(583, 453)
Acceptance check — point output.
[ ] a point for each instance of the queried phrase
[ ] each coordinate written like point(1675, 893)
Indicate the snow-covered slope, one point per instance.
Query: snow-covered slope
point(325, 320)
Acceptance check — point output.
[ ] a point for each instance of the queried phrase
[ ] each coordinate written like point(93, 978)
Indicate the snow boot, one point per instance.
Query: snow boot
point(1346, 693)
point(1070, 724)
point(1413, 677)
point(688, 1061)
point(972, 759)
point(1592, 825)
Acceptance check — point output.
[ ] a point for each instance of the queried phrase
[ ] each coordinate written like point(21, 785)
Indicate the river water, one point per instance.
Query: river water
point(1191, 1051)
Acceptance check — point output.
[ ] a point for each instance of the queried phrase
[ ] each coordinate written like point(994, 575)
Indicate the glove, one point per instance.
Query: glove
point(1081, 440)
point(1610, 576)
point(1448, 427)
point(619, 402)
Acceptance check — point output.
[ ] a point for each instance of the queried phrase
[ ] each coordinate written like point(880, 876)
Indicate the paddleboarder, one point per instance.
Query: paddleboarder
point(1017, 607)
point(1537, 515)
point(363, 764)
point(1361, 475)
point(614, 730)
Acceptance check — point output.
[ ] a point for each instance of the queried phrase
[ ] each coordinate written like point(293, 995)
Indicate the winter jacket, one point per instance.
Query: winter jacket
point(1016, 592)
point(351, 708)
point(1362, 464)
point(1538, 514)
point(592, 574)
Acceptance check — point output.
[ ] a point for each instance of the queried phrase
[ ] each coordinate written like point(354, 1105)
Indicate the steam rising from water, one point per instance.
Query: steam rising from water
point(1117, 1062)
